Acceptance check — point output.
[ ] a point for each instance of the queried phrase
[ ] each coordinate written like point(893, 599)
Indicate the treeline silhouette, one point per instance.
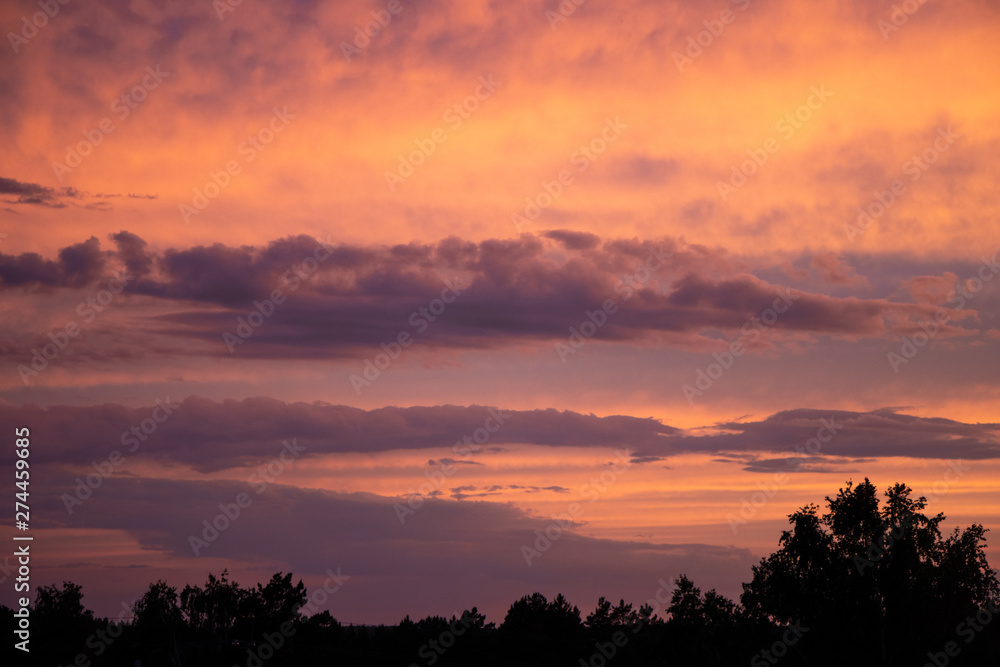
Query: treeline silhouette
point(862, 584)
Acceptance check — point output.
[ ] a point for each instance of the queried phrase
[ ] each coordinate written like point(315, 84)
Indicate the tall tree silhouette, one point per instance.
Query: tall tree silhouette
point(277, 602)
point(218, 612)
point(542, 632)
point(60, 617)
point(158, 624)
point(872, 574)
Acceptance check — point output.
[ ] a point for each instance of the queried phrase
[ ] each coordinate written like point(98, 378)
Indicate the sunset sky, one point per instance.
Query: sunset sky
point(606, 270)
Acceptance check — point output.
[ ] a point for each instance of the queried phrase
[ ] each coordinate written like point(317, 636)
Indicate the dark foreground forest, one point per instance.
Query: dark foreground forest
point(862, 583)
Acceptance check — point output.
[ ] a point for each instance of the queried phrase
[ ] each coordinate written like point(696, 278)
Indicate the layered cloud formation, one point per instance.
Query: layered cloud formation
point(335, 300)
point(744, 251)
point(209, 436)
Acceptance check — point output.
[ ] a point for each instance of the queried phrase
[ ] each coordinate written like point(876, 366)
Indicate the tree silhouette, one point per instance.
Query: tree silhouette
point(158, 623)
point(278, 602)
point(59, 615)
point(534, 615)
point(686, 605)
point(601, 616)
point(621, 615)
point(872, 573)
point(869, 582)
point(216, 609)
point(703, 628)
point(537, 631)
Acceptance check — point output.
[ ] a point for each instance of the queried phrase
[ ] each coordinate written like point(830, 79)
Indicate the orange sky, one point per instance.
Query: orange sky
point(539, 162)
